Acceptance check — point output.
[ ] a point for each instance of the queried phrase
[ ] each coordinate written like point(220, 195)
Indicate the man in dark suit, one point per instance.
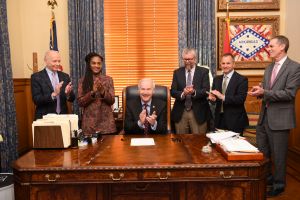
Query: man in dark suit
point(51, 88)
point(277, 116)
point(145, 114)
point(189, 86)
point(229, 91)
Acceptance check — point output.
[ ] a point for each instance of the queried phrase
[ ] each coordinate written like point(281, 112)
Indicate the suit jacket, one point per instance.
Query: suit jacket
point(279, 100)
point(235, 115)
point(41, 89)
point(200, 104)
point(133, 110)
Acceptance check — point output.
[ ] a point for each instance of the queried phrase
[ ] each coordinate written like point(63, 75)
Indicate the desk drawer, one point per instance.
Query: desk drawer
point(196, 174)
point(84, 176)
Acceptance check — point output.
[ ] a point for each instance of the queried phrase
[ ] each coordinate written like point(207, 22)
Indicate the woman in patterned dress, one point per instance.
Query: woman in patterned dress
point(96, 95)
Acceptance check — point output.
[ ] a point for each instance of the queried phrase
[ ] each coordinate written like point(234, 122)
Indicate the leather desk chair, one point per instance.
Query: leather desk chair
point(160, 92)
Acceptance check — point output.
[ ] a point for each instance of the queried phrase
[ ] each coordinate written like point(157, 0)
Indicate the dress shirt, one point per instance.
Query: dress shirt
point(186, 78)
point(229, 75)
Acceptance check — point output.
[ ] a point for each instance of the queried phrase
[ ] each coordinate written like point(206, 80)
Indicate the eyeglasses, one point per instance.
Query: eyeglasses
point(188, 59)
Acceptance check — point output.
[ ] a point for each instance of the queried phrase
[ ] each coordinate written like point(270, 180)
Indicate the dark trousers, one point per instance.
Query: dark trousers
point(274, 145)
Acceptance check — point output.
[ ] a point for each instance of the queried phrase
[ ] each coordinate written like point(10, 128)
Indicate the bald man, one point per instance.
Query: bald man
point(51, 89)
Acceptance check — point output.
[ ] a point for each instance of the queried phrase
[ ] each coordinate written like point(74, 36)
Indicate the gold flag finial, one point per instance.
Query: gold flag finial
point(52, 3)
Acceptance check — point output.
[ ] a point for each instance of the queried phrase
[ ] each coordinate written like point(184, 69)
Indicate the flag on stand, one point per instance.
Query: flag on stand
point(53, 37)
point(226, 42)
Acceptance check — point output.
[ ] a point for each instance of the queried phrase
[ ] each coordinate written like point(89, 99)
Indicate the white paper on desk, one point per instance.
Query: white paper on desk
point(220, 135)
point(142, 142)
point(238, 145)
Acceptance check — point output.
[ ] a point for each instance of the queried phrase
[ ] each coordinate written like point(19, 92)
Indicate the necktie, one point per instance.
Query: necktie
point(274, 74)
point(54, 84)
point(188, 98)
point(224, 87)
point(146, 123)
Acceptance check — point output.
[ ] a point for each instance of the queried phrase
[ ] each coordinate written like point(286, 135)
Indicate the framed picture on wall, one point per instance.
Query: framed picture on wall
point(236, 5)
point(249, 39)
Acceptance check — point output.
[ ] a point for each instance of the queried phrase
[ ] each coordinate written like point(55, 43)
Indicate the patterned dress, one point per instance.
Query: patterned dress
point(97, 114)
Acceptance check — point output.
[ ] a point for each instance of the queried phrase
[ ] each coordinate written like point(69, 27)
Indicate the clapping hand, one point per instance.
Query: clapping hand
point(211, 97)
point(189, 90)
point(143, 116)
point(218, 94)
point(58, 88)
point(69, 88)
point(152, 118)
point(256, 91)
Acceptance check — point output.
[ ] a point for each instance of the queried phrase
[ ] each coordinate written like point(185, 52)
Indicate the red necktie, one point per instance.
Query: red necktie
point(146, 123)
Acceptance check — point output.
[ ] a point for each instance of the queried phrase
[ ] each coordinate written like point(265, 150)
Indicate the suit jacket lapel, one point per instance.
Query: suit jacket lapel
point(282, 69)
point(182, 76)
point(231, 83)
point(60, 78)
point(47, 78)
point(154, 107)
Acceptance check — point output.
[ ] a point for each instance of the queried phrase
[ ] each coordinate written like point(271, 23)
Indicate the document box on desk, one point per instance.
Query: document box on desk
point(235, 156)
point(50, 137)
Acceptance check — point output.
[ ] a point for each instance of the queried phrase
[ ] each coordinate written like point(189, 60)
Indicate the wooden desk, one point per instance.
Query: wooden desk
point(173, 169)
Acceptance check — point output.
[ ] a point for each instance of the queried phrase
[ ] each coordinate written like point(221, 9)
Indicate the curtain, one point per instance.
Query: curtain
point(196, 29)
point(8, 125)
point(86, 34)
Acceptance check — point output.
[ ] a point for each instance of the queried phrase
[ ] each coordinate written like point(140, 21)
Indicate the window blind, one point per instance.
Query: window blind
point(141, 40)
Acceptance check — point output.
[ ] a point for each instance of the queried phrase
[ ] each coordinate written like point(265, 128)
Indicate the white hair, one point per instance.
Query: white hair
point(146, 80)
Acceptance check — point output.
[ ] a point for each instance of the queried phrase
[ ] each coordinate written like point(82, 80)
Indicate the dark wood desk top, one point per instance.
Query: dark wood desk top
point(115, 153)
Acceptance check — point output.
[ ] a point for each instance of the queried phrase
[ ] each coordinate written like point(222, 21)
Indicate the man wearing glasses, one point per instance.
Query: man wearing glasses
point(189, 87)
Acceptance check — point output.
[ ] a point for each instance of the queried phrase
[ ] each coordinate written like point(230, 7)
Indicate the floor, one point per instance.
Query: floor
point(292, 191)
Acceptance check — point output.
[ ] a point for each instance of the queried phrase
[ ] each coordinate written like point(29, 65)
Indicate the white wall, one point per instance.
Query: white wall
point(292, 28)
point(29, 31)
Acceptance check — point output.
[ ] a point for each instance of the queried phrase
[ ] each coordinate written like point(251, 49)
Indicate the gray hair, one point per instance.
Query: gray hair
point(188, 51)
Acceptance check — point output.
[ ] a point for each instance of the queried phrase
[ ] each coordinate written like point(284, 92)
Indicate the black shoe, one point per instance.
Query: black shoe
point(275, 192)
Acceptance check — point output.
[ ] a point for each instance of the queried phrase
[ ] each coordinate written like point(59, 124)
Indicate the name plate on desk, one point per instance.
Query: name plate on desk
point(50, 137)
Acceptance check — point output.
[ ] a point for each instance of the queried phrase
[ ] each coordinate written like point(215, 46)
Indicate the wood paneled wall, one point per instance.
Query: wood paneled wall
point(294, 144)
point(253, 104)
point(24, 112)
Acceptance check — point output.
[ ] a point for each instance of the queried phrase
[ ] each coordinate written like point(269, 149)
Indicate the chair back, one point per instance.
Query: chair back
point(160, 92)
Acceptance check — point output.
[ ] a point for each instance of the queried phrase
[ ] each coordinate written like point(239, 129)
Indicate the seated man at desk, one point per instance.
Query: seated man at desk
point(145, 114)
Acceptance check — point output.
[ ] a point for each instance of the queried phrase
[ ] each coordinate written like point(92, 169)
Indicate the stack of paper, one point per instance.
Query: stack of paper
point(220, 135)
point(238, 145)
point(71, 117)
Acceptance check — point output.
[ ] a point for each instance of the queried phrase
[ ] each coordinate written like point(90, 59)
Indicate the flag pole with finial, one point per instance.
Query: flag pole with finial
point(226, 43)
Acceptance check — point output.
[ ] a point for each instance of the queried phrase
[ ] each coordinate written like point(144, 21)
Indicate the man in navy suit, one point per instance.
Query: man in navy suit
point(145, 115)
point(51, 89)
point(229, 91)
point(189, 87)
point(277, 91)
